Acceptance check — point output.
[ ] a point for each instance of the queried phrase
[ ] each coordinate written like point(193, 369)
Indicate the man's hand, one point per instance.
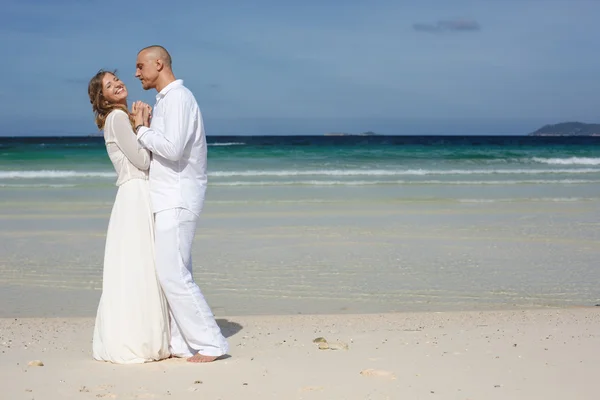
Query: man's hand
point(142, 113)
point(149, 113)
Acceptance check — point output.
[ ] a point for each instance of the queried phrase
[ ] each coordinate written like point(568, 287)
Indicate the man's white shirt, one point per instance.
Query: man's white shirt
point(177, 141)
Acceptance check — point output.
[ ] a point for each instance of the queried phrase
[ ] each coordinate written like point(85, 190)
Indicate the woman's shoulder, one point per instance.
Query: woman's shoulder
point(117, 113)
point(114, 120)
point(116, 116)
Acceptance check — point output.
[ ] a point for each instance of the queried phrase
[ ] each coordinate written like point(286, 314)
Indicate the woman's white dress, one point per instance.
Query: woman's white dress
point(132, 323)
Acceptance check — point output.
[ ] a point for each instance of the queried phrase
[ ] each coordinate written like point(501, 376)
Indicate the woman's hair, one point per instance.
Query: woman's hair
point(100, 105)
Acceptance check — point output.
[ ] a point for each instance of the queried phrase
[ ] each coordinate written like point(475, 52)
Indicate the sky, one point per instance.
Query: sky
point(311, 67)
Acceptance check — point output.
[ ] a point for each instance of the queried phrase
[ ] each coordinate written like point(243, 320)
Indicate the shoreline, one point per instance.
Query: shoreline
point(67, 303)
point(516, 354)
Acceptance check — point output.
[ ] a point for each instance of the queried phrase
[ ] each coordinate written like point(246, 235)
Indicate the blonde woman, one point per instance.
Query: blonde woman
point(132, 322)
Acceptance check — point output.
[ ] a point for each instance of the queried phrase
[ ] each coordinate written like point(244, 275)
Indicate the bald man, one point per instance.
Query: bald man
point(178, 185)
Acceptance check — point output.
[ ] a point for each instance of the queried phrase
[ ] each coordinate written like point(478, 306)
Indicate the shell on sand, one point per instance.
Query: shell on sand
point(319, 340)
point(35, 363)
point(378, 373)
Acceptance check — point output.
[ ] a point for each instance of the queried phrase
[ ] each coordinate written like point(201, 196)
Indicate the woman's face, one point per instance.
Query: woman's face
point(113, 89)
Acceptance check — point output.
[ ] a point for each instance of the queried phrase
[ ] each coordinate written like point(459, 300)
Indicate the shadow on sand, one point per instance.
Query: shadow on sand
point(229, 328)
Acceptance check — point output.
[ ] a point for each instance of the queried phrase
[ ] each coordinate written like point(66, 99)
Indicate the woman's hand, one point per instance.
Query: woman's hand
point(142, 113)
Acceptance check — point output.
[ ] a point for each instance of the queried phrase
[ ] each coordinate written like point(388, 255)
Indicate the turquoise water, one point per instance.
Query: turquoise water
point(323, 224)
point(317, 168)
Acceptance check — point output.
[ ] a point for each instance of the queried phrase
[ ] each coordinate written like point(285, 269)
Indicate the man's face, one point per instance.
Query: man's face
point(146, 70)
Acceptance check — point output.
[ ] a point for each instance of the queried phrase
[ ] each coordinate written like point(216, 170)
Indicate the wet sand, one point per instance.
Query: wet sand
point(329, 257)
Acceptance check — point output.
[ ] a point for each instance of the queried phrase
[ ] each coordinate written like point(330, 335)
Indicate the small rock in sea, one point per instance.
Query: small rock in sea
point(319, 340)
point(35, 363)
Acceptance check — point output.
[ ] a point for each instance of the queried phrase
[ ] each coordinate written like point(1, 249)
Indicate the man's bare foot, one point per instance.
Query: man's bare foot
point(200, 358)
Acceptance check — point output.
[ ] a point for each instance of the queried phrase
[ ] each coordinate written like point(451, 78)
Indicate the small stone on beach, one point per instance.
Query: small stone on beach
point(35, 363)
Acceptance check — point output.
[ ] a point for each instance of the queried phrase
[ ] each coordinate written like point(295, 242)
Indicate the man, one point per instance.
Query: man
point(178, 184)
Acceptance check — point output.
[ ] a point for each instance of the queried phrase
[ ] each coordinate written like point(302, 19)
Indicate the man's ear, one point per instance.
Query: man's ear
point(159, 65)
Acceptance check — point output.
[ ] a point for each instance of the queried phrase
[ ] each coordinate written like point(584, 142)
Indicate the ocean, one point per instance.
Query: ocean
point(327, 224)
point(321, 168)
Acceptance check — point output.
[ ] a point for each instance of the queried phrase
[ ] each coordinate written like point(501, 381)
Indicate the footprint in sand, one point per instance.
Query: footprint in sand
point(100, 388)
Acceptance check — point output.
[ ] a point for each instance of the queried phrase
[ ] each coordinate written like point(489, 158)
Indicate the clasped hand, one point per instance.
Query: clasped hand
point(142, 113)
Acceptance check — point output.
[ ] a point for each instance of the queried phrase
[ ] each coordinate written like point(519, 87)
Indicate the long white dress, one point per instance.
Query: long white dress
point(132, 323)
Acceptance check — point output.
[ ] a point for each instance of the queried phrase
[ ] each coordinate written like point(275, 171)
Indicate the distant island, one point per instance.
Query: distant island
point(568, 129)
point(369, 133)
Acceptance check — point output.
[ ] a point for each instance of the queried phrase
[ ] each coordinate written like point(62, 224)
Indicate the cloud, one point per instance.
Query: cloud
point(452, 25)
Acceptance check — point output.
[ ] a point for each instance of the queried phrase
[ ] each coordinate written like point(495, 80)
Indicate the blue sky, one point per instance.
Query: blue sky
point(310, 67)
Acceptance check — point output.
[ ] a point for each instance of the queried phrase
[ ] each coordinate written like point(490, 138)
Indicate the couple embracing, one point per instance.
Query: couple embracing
point(151, 308)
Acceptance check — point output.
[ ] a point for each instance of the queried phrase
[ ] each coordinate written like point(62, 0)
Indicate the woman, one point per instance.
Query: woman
point(132, 322)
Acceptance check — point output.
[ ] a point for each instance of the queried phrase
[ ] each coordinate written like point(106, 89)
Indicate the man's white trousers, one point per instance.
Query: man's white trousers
point(193, 325)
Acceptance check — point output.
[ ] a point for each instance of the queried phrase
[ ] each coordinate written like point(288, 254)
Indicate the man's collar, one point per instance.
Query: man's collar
point(175, 83)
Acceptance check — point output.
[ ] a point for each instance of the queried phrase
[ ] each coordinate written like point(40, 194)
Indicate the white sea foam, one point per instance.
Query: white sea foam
point(399, 172)
point(36, 185)
point(405, 182)
point(227, 144)
point(54, 174)
point(57, 174)
point(317, 182)
point(568, 161)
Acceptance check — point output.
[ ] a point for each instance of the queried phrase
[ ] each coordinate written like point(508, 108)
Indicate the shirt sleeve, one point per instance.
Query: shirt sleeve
point(170, 142)
point(127, 142)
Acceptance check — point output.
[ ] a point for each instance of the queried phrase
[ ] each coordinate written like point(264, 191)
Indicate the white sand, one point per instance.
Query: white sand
point(523, 354)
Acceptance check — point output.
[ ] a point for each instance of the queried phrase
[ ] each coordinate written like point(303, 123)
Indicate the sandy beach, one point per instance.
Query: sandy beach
point(511, 354)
